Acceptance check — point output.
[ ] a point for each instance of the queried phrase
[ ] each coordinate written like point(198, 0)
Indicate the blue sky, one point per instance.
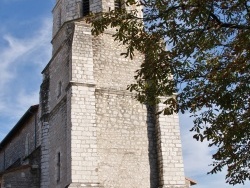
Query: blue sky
point(25, 49)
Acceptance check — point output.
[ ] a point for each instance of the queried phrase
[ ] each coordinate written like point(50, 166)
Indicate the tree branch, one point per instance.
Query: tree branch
point(228, 25)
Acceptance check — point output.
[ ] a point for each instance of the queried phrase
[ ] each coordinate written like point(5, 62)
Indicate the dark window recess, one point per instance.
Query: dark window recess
point(118, 4)
point(59, 89)
point(58, 167)
point(85, 7)
point(59, 18)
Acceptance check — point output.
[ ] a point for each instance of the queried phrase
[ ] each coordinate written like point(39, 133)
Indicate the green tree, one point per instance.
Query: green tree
point(208, 55)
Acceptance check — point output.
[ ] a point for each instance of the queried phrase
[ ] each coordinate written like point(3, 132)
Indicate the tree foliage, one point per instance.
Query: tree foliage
point(208, 56)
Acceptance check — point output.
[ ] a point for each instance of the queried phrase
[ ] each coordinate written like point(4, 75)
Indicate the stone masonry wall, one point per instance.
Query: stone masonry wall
point(61, 38)
point(81, 95)
point(2, 161)
point(106, 138)
point(82, 54)
point(114, 134)
point(59, 76)
point(66, 10)
point(24, 178)
point(169, 146)
point(111, 69)
point(84, 159)
point(56, 173)
point(125, 142)
point(58, 144)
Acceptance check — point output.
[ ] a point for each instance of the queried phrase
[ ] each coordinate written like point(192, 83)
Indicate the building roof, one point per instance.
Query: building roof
point(15, 169)
point(20, 124)
point(192, 182)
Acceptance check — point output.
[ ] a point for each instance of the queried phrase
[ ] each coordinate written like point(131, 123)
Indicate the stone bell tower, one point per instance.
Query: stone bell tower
point(94, 134)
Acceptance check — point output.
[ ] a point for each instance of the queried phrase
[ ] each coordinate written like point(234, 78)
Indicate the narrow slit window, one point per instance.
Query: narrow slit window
point(118, 4)
point(58, 167)
point(59, 89)
point(27, 144)
point(59, 18)
point(85, 7)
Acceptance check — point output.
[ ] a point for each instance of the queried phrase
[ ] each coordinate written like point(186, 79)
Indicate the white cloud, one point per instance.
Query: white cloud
point(15, 55)
point(23, 101)
point(197, 157)
point(196, 153)
point(23, 49)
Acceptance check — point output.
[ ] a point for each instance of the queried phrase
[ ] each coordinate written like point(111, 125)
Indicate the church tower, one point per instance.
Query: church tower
point(94, 134)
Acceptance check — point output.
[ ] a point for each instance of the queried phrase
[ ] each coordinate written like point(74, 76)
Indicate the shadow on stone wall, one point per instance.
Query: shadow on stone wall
point(152, 147)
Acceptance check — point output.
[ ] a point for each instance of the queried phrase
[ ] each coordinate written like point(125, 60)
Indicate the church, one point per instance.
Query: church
point(88, 131)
